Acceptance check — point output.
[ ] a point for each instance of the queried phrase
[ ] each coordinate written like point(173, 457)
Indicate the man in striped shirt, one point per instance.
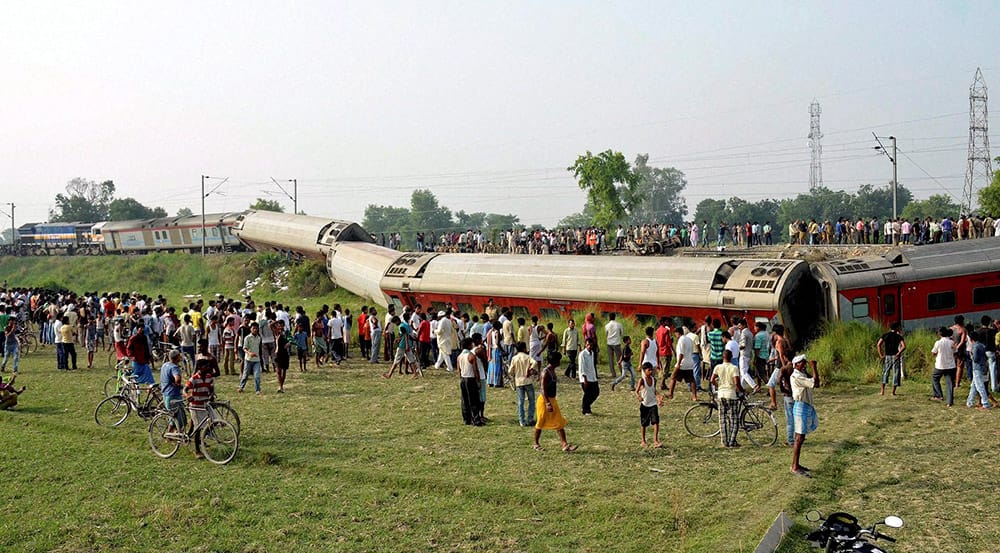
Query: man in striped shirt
point(199, 391)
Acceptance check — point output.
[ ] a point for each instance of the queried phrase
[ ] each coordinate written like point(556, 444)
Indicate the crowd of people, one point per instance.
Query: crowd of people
point(226, 337)
point(749, 234)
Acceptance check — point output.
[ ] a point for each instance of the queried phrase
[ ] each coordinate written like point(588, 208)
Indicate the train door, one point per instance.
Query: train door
point(890, 309)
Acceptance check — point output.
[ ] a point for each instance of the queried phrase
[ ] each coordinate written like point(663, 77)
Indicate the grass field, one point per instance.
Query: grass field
point(347, 461)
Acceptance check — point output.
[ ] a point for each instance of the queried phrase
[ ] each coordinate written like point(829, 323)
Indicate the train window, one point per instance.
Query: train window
point(989, 294)
point(549, 314)
point(941, 300)
point(859, 308)
point(438, 306)
point(645, 320)
point(467, 308)
point(889, 304)
point(520, 311)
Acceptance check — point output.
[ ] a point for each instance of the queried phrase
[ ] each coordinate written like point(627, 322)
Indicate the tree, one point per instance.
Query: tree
point(576, 220)
point(501, 222)
point(130, 208)
point(427, 215)
point(85, 201)
point(989, 197)
point(384, 218)
point(267, 205)
point(611, 185)
point(936, 207)
point(184, 212)
point(5, 236)
point(870, 202)
point(465, 220)
point(659, 190)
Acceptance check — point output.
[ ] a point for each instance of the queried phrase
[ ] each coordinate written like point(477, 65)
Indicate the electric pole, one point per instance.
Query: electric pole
point(979, 172)
point(295, 189)
point(892, 158)
point(815, 135)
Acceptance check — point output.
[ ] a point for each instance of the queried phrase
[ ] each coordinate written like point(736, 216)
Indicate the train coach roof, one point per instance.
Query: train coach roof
point(951, 258)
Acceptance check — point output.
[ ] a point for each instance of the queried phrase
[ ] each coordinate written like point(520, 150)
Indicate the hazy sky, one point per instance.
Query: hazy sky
point(484, 103)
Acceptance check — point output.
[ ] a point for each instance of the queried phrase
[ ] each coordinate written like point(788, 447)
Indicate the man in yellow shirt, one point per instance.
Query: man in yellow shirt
point(523, 368)
point(726, 379)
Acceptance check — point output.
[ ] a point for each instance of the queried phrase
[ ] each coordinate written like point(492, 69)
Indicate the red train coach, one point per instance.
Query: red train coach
point(919, 287)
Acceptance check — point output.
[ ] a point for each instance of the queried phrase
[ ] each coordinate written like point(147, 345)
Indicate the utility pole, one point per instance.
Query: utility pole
point(203, 215)
point(294, 198)
point(13, 233)
point(203, 196)
point(892, 158)
point(980, 171)
point(816, 147)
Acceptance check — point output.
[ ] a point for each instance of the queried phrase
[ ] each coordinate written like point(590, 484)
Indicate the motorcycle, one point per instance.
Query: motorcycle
point(841, 532)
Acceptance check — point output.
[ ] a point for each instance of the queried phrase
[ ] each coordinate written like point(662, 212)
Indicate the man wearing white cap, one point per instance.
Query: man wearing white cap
point(803, 412)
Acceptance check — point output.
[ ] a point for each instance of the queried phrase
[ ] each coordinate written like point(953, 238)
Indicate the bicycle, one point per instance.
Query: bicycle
point(220, 440)
point(113, 385)
point(27, 342)
point(755, 420)
point(114, 410)
point(224, 411)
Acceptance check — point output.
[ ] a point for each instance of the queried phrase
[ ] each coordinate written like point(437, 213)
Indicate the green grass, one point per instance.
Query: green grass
point(346, 461)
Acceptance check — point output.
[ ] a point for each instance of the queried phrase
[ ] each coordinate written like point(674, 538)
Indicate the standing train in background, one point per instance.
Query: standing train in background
point(165, 234)
point(922, 286)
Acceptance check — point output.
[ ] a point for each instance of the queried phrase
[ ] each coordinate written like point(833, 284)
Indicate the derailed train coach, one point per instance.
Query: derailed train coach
point(918, 287)
point(922, 286)
point(686, 290)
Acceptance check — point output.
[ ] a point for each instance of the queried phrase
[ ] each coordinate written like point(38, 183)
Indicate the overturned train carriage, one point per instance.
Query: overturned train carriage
point(295, 235)
point(556, 287)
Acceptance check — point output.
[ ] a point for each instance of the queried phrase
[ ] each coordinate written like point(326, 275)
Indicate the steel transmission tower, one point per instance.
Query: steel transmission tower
point(979, 172)
point(815, 135)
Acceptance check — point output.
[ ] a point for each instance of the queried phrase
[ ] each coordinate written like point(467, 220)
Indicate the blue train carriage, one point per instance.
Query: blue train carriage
point(57, 238)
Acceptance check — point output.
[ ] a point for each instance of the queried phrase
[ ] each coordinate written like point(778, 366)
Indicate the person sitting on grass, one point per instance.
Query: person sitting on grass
point(8, 394)
point(649, 402)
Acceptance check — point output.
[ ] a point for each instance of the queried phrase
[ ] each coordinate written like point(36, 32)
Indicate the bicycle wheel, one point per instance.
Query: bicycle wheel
point(30, 343)
point(159, 435)
point(759, 425)
point(112, 359)
point(219, 442)
point(225, 412)
point(702, 420)
point(111, 386)
point(112, 411)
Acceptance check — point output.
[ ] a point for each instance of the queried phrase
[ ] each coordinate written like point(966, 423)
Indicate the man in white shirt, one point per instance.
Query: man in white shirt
point(613, 330)
point(588, 377)
point(684, 367)
point(446, 337)
point(803, 412)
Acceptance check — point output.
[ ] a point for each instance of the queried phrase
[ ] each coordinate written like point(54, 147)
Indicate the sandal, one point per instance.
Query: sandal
point(569, 449)
point(538, 448)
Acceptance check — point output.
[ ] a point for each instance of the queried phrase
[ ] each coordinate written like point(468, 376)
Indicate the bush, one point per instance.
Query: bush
point(309, 279)
point(846, 352)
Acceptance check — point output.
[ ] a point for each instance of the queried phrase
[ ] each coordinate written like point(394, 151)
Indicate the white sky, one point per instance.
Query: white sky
point(484, 103)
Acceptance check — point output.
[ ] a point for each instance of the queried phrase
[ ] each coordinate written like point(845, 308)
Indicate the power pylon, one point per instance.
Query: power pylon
point(815, 135)
point(980, 171)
